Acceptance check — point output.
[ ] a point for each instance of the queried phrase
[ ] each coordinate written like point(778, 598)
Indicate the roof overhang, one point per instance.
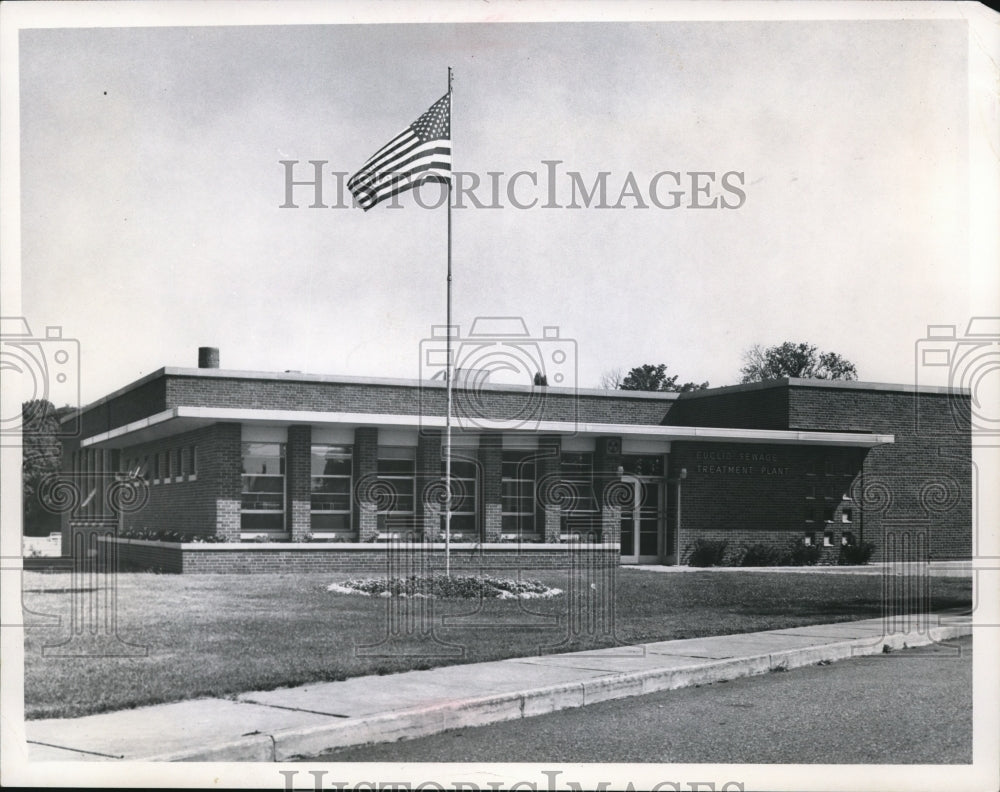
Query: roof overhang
point(184, 419)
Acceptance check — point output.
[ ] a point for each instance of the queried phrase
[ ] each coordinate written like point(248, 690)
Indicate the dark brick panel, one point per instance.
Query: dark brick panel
point(133, 405)
point(748, 409)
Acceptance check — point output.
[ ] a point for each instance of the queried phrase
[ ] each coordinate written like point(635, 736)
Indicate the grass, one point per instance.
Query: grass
point(218, 635)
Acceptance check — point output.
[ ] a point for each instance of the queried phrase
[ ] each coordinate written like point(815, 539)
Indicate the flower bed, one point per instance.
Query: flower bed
point(454, 587)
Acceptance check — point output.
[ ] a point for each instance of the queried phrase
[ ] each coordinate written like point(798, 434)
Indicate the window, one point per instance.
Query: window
point(810, 513)
point(808, 539)
point(577, 473)
point(263, 487)
point(330, 488)
point(828, 539)
point(166, 467)
point(156, 468)
point(192, 463)
point(397, 468)
point(847, 515)
point(847, 539)
point(828, 512)
point(517, 492)
point(643, 464)
point(463, 509)
point(178, 464)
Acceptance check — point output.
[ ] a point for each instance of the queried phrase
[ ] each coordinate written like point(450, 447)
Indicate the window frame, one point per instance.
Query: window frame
point(346, 453)
point(396, 454)
point(472, 513)
point(244, 492)
point(521, 516)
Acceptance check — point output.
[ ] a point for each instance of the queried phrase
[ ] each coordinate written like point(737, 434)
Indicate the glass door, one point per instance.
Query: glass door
point(641, 522)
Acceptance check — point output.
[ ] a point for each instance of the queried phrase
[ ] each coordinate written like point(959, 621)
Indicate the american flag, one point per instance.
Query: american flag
point(421, 152)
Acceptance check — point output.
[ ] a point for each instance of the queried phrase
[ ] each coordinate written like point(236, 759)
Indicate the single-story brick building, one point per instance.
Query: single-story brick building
point(292, 461)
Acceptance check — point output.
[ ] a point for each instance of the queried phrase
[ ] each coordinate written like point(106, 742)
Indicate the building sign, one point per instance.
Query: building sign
point(739, 463)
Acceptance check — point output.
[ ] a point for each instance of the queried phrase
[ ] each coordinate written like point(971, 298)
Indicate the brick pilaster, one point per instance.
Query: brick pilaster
point(547, 472)
point(607, 459)
point(490, 459)
point(428, 474)
point(611, 524)
point(225, 461)
point(365, 517)
point(298, 467)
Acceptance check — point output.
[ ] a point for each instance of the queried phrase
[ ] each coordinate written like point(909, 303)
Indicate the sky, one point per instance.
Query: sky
point(151, 193)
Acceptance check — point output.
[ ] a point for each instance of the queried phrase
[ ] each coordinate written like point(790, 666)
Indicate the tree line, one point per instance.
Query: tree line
point(789, 359)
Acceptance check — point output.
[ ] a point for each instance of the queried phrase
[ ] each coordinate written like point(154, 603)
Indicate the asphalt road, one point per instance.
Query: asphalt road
point(912, 706)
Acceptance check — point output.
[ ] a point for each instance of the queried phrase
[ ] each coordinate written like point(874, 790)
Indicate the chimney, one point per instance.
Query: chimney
point(208, 357)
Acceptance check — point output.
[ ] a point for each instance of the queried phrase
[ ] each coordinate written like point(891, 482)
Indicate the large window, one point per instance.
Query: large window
point(263, 487)
point(463, 509)
point(517, 492)
point(396, 469)
point(577, 472)
point(330, 488)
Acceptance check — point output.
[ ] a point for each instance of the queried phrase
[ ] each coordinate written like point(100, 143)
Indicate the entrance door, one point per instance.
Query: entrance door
point(641, 523)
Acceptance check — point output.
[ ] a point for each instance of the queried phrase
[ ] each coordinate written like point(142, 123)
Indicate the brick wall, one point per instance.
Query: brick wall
point(490, 458)
point(364, 515)
point(187, 504)
point(607, 458)
point(522, 405)
point(525, 406)
point(920, 485)
point(204, 503)
point(360, 559)
point(428, 477)
point(298, 462)
point(923, 481)
point(548, 515)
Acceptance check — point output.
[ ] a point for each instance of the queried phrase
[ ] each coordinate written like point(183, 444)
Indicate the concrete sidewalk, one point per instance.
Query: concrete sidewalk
point(281, 724)
point(904, 568)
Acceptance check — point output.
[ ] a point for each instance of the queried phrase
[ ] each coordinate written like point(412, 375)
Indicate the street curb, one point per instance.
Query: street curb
point(289, 744)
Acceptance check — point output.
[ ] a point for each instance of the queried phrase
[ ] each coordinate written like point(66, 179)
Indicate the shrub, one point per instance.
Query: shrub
point(859, 554)
point(804, 555)
point(154, 535)
point(707, 552)
point(764, 555)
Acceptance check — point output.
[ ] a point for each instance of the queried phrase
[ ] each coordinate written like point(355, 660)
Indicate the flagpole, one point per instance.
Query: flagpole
point(447, 436)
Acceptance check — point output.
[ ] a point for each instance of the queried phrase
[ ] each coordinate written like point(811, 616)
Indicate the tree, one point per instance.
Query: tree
point(41, 455)
point(649, 377)
point(612, 380)
point(794, 360)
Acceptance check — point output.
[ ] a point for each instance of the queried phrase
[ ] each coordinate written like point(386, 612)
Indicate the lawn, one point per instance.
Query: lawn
point(217, 635)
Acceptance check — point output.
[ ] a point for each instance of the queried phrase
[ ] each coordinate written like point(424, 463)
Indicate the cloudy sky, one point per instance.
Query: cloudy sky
point(151, 192)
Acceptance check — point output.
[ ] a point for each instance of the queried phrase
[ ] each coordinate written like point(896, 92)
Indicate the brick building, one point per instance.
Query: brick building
point(311, 461)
